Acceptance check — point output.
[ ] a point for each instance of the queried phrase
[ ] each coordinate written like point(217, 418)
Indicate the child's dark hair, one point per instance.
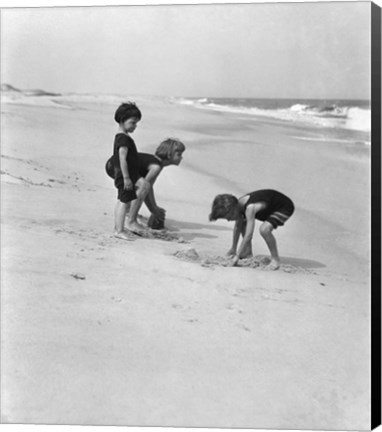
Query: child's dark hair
point(222, 206)
point(127, 110)
point(168, 147)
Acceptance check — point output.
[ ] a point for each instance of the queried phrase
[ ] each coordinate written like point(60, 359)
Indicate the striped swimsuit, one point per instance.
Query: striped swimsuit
point(279, 208)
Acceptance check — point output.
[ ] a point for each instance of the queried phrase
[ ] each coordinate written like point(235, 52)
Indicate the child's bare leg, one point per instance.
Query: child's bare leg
point(266, 229)
point(142, 191)
point(117, 209)
point(116, 212)
point(132, 223)
point(247, 252)
point(128, 209)
point(120, 211)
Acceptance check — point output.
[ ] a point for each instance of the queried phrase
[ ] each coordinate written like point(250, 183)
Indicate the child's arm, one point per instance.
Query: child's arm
point(250, 215)
point(150, 201)
point(148, 181)
point(235, 237)
point(152, 175)
point(122, 153)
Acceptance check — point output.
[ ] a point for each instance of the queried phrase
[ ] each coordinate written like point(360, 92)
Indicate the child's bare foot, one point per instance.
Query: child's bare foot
point(247, 255)
point(123, 235)
point(135, 227)
point(142, 220)
point(273, 265)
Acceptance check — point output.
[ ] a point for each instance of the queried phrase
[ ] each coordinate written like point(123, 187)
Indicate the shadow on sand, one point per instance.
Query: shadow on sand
point(302, 263)
point(176, 226)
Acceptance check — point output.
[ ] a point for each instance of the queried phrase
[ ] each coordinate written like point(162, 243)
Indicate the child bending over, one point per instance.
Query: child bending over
point(267, 205)
point(169, 152)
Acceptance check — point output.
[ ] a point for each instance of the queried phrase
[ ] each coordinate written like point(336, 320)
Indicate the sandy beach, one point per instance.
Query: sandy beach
point(160, 331)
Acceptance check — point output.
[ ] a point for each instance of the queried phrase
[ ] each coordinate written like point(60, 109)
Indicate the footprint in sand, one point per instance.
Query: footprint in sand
point(239, 292)
point(234, 308)
point(244, 327)
point(78, 276)
point(56, 181)
point(182, 308)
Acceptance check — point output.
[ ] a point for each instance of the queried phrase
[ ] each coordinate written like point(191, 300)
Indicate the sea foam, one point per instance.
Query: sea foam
point(319, 113)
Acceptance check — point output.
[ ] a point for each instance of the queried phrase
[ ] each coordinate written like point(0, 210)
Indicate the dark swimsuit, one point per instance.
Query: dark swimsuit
point(144, 162)
point(123, 140)
point(278, 207)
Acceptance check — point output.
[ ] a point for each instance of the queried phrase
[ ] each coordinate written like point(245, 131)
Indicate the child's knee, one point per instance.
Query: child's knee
point(266, 229)
point(143, 188)
point(125, 205)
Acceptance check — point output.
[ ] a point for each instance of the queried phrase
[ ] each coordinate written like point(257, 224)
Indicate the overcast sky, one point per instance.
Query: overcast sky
point(281, 50)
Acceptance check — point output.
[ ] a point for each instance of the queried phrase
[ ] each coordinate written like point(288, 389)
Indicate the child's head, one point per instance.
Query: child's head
point(127, 111)
point(170, 150)
point(224, 207)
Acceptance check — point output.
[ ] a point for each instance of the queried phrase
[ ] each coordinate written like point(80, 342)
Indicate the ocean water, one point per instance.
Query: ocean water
point(337, 120)
point(346, 120)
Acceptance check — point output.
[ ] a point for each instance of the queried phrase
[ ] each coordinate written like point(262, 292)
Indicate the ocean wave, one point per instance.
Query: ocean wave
point(319, 115)
point(359, 119)
point(321, 111)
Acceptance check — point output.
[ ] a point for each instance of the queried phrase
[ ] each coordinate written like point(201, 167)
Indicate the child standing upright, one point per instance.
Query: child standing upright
point(270, 206)
point(126, 165)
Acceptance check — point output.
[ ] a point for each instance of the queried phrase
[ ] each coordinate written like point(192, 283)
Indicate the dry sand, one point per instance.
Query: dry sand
point(100, 331)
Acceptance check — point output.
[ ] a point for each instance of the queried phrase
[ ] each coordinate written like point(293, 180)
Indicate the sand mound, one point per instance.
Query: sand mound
point(188, 255)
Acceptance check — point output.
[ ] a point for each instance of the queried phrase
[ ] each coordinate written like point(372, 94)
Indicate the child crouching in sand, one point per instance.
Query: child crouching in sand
point(267, 205)
point(169, 152)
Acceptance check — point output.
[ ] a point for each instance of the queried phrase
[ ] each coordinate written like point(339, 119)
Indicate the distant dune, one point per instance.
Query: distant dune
point(35, 92)
point(9, 88)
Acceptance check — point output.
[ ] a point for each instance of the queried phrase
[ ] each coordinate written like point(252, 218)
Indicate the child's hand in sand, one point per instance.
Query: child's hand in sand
point(231, 252)
point(160, 213)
